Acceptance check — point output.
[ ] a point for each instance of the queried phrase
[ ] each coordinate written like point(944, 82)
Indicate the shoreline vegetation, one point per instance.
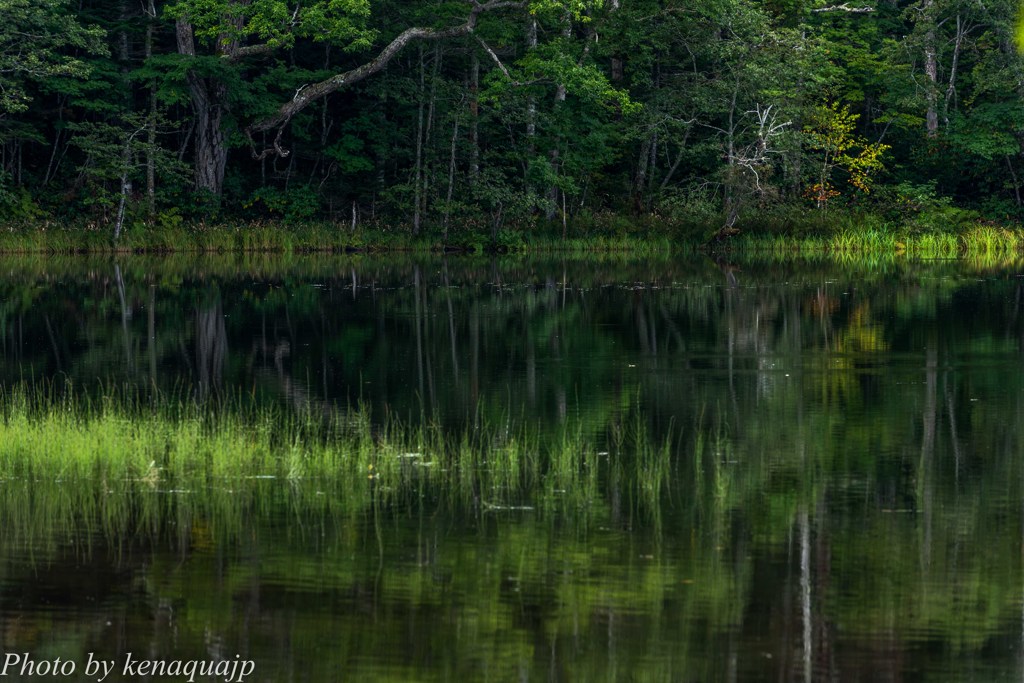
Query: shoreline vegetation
point(542, 126)
point(840, 235)
point(115, 440)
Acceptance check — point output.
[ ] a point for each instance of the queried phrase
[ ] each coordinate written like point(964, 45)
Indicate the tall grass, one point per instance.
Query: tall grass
point(312, 236)
point(118, 460)
point(783, 234)
point(884, 239)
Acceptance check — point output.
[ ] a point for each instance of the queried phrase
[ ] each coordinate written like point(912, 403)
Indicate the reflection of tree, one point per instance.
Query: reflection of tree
point(926, 474)
point(211, 346)
point(845, 450)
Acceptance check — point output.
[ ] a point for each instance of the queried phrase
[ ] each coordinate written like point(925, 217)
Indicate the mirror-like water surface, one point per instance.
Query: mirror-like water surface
point(473, 469)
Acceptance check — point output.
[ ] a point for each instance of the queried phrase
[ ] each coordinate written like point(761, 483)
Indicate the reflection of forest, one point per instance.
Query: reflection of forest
point(452, 338)
point(854, 506)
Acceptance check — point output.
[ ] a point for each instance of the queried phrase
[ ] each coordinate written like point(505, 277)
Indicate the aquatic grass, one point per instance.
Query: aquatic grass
point(117, 460)
point(992, 239)
point(635, 244)
point(284, 237)
point(786, 232)
point(883, 239)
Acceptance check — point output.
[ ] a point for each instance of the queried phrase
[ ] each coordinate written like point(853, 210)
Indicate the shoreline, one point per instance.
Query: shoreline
point(843, 240)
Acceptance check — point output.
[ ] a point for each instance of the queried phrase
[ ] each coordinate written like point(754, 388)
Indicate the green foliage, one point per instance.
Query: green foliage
point(295, 204)
point(697, 205)
point(38, 41)
point(275, 23)
point(577, 9)
point(118, 152)
point(987, 132)
point(548, 111)
point(349, 154)
point(169, 220)
point(17, 203)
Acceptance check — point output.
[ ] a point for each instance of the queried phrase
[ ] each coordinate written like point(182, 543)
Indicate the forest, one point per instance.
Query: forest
point(432, 116)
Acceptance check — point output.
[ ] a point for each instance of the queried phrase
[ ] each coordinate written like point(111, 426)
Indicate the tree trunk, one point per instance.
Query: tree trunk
point(931, 69)
point(208, 96)
point(211, 150)
point(122, 40)
point(151, 123)
point(474, 120)
point(427, 175)
point(560, 93)
point(451, 177)
point(125, 186)
point(962, 27)
point(732, 209)
point(417, 180)
point(1016, 183)
point(531, 102)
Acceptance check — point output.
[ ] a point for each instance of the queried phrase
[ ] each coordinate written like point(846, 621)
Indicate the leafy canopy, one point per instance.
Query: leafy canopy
point(277, 23)
point(37, 38)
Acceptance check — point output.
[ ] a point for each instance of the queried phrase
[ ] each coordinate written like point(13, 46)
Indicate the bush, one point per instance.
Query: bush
point(295, 204)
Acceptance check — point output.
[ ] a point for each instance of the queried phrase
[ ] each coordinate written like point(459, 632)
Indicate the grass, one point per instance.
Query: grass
point(118, 459)
point(980, 239)
point(50, 237)
point(267, 237)
point(780, 232)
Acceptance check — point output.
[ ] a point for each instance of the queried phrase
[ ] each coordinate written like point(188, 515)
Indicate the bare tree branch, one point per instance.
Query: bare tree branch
point(314, 92)
point(845, 8)
point(756, 153)
point(489, 51)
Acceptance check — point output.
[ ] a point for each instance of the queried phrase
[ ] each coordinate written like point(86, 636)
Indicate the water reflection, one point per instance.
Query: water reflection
point(792, 471)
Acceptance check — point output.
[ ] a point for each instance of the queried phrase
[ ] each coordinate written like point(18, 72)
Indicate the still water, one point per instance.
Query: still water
point(837, 491)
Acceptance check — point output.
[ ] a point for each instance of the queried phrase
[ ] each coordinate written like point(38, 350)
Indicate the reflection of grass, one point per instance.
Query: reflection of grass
point(104, 453)
point(124, 467)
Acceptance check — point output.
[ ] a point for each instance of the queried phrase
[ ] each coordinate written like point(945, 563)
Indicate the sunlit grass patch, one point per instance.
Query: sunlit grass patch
point(120, 442)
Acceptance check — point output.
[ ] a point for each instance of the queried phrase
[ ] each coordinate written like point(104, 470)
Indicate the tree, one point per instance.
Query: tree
point(830, 132)
point(37, 41)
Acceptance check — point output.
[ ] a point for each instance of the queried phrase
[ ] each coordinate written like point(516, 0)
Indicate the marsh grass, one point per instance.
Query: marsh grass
point(852, 241)
point(785, 232)
point(282, 237)
point(115, 460)
point(251, 237)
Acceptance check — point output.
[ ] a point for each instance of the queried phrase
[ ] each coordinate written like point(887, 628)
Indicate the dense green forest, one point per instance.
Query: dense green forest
point(438, 115)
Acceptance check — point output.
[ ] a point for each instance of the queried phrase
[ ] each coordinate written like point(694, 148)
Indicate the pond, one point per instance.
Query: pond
point(428, 469)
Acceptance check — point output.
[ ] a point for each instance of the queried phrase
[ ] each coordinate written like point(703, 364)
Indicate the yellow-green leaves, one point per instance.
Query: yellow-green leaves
point(578, 9)
point(1019, 32)
point(831, 131)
